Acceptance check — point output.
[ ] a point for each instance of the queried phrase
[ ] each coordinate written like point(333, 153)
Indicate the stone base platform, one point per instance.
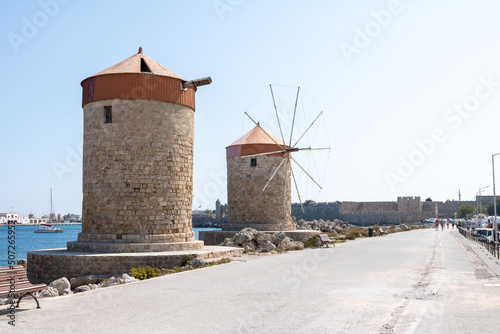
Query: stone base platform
point(45, 266)
point(216, 237)
point(105, 247)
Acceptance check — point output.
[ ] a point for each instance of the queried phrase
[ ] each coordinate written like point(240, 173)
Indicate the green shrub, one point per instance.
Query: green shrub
point(312, 242)
point(221, 261)
point(143, 273)
point(105, 280)
point(357, 232)
point(187, 259)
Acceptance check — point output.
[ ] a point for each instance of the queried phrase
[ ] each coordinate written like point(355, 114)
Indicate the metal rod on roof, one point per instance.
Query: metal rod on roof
point(294, 111)
point(282, 146)
point(306, 173)
point(277, 117)
point(313, 149)
point(272, 177)
point(286, 179)
point(298, 193)
point(308, 128)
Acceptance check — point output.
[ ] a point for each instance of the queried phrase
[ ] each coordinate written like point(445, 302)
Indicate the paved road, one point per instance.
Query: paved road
point(413, 282)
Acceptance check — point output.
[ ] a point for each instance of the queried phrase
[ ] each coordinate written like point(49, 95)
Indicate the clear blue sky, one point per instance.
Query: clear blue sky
point(410, 89)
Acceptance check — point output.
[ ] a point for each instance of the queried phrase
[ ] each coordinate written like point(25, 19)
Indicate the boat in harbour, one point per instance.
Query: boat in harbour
point(47, 228)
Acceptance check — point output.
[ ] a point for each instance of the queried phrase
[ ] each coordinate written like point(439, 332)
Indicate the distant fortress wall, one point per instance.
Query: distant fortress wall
point(448, 208)
point(404, 210)
point(368, 207)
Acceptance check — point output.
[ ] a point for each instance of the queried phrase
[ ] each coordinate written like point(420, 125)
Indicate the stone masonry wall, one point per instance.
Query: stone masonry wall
point(359, 212)
point(409, 204)
point(49, 265)
point(366, 207)
point(448, 208)
point(137, 172)
point(244, 184)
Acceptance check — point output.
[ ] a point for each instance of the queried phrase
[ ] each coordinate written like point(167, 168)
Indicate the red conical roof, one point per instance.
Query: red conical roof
point(255, 141)
point(135, 64)
point(137, 77)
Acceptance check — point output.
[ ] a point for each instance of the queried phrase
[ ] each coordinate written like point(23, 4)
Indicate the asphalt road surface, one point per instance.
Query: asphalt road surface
point(411, 282)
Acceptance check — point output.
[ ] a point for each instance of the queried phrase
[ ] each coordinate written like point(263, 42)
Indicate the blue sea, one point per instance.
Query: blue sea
point(27, 241)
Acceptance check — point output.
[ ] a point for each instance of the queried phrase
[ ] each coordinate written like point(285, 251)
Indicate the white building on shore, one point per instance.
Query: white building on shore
point(5, 217)
point(31, 219)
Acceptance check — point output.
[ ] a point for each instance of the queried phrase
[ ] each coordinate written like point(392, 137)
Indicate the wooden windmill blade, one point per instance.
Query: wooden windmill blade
point(272, 176)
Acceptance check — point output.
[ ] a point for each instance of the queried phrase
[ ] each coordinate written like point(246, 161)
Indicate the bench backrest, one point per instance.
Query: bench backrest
point(20, 284)
point(18, 272)
point(324, 237)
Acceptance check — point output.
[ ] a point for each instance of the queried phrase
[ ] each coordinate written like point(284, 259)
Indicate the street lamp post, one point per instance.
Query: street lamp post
point(480, 206)
point(494, 197)
point(475, 210)
point(480, 190)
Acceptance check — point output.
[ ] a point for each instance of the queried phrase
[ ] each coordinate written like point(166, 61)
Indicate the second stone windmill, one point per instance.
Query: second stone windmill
point(260, 176)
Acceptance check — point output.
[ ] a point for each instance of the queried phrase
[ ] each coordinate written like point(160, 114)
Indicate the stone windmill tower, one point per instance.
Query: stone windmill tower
point(249, 169)
point(138, 159)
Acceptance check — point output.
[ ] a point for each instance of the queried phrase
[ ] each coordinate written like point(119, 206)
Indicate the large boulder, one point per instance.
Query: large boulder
point(82, 280)
point(112, 281)
point(60, 285)
point(262, 237)
point(246, 234)
point(249, 244)
point(284, 243)
point(197, 263)
point(268, 245)
point(49, 292)
point(101, 278)
point(278, 237)
point(83, 288)
point(338, 228)
point(129, 279)
point(229, 243)
point(328, 228)
point(289, 244)
point(67, 292)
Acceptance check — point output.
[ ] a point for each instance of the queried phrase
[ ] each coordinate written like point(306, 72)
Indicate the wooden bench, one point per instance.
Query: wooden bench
point(13, 281)
point(324, 239)
point(382, 231)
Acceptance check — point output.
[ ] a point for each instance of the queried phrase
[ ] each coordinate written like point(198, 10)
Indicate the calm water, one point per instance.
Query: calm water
point(27, 241)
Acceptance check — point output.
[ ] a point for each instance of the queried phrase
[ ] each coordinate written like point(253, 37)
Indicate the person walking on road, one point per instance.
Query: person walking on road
point(437, 224)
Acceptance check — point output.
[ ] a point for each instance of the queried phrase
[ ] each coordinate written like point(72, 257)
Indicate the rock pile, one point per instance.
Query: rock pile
point(252, 239)
point(63, 286)
point(331, 226)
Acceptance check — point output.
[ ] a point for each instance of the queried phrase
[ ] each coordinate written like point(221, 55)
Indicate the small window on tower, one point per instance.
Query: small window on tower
point(108, 117)
point(253, 162)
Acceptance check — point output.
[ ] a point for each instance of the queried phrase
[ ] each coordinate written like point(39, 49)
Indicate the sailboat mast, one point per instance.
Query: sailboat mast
point(52, 211)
